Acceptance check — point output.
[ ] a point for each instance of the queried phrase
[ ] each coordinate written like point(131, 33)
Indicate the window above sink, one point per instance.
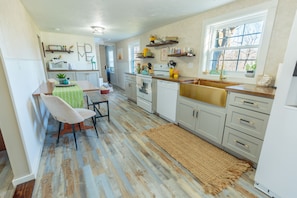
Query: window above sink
point(233, 41)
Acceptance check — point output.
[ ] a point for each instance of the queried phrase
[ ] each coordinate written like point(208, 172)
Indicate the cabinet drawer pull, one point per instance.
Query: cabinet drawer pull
point(246, 122)
point(240, 143)
point(249, 103)
point(193, 113)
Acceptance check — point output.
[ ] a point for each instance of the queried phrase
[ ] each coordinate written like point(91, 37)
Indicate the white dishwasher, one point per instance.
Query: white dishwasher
point(167, 93)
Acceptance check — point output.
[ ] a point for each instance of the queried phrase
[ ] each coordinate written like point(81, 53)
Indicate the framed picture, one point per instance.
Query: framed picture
point(164, 52)
point(120, 54)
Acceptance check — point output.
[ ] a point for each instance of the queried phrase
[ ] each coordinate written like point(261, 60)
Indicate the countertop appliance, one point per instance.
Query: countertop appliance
point(58, 65)
point(276, 173)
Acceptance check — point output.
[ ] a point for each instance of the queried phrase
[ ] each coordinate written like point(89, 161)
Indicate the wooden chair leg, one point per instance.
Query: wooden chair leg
point(73, 129)
point(60, 124)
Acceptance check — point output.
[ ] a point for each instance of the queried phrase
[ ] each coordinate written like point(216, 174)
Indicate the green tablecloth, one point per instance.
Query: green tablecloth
point(73, 95)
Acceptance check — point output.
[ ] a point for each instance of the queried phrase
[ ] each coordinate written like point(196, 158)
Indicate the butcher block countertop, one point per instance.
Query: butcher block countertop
point(267, 92)
point(179, 79)
point(167, 78)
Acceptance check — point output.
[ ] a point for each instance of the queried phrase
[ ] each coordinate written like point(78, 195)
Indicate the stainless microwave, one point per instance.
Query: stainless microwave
point(60, 65)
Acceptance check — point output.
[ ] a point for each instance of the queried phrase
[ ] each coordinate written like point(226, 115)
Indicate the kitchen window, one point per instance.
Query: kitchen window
point(133, 49)
point(237, 41)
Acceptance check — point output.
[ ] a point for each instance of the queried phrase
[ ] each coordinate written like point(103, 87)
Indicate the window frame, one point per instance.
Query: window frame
point(267, 9)
point(132, 55)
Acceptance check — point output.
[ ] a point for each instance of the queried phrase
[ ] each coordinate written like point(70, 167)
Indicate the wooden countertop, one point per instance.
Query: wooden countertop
point(167, 78)
point(179, 79)
point(267, 92)
point(47, 88)
point(72, 70)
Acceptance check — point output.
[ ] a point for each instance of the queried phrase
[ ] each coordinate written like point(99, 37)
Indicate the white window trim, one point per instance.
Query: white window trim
point(130, 45)
point(270, 8)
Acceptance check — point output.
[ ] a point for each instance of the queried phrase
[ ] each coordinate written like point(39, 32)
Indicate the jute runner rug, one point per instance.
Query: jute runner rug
point(213, 167)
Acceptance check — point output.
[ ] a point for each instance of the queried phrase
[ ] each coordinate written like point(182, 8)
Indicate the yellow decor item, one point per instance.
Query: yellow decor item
point(145, 51)
point(153, 38)
point(175, 73)
point(171, 72)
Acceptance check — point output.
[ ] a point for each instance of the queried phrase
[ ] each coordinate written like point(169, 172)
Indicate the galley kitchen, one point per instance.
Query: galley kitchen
point(174, 74)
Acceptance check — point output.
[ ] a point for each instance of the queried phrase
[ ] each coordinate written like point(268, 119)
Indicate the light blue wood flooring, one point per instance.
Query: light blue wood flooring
point(121, 162)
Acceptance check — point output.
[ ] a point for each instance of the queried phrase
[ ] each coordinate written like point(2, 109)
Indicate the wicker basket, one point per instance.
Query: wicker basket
point(104, 91)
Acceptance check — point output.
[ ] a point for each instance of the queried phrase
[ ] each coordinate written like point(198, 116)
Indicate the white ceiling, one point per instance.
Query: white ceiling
point(121, 18)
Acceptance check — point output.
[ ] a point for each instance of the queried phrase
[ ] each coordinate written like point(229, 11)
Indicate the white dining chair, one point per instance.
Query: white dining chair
point(64, 113)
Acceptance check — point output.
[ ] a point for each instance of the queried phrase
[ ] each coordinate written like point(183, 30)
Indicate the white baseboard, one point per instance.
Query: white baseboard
point(265, 190)
point(23, 179)
point(35, 165)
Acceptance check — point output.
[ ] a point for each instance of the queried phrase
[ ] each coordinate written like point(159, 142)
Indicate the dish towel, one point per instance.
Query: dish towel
point(73, 95)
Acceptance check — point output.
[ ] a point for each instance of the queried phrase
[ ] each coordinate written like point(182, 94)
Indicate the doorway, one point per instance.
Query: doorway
point(110, 59)
point(102, 55)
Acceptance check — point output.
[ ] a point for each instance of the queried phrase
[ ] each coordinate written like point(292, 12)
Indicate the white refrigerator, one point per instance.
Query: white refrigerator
point(276, 173)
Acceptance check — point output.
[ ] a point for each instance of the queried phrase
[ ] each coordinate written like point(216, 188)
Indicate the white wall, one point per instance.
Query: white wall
point(77, 59)
point(189, 32)
point(21, 74)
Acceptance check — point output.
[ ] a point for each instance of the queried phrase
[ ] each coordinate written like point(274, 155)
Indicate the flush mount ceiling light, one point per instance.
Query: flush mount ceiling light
point(97, 30)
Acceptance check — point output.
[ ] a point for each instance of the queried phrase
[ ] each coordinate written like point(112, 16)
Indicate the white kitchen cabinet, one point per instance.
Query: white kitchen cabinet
point(91, 76)
point(70, 75)
point(201, 118)
point(186, 113)
point(246, 122)
point(130, 87)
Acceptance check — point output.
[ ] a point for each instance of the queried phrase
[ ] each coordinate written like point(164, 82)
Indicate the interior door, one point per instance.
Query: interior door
point(111, 70)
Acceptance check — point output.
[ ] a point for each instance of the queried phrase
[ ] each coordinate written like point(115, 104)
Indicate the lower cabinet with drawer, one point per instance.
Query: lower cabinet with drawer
point(247, 118)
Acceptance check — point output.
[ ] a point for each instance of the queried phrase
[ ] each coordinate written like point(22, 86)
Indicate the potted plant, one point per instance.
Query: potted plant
point(250, 69)
point(62, 78)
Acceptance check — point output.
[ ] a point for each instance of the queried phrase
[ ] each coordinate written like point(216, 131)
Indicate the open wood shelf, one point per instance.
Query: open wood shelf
point(145, 57)
point(61, 51)
point(179, 55)
point(163, 43)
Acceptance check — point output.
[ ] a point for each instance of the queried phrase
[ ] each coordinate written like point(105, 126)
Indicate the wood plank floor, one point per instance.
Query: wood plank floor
point(121, 162)
point(6, 176)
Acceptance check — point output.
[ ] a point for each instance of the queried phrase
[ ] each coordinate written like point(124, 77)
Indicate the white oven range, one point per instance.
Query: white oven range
point(144, 86)
point(144, 92)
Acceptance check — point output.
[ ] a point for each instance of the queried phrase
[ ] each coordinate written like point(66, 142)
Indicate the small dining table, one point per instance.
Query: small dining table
point(47, 88)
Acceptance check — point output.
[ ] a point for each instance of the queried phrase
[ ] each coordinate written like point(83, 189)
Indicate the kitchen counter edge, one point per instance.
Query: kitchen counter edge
point(267, 92)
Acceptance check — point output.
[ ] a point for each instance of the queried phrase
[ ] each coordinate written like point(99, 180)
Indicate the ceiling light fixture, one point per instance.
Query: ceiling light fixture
point(97, 30)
